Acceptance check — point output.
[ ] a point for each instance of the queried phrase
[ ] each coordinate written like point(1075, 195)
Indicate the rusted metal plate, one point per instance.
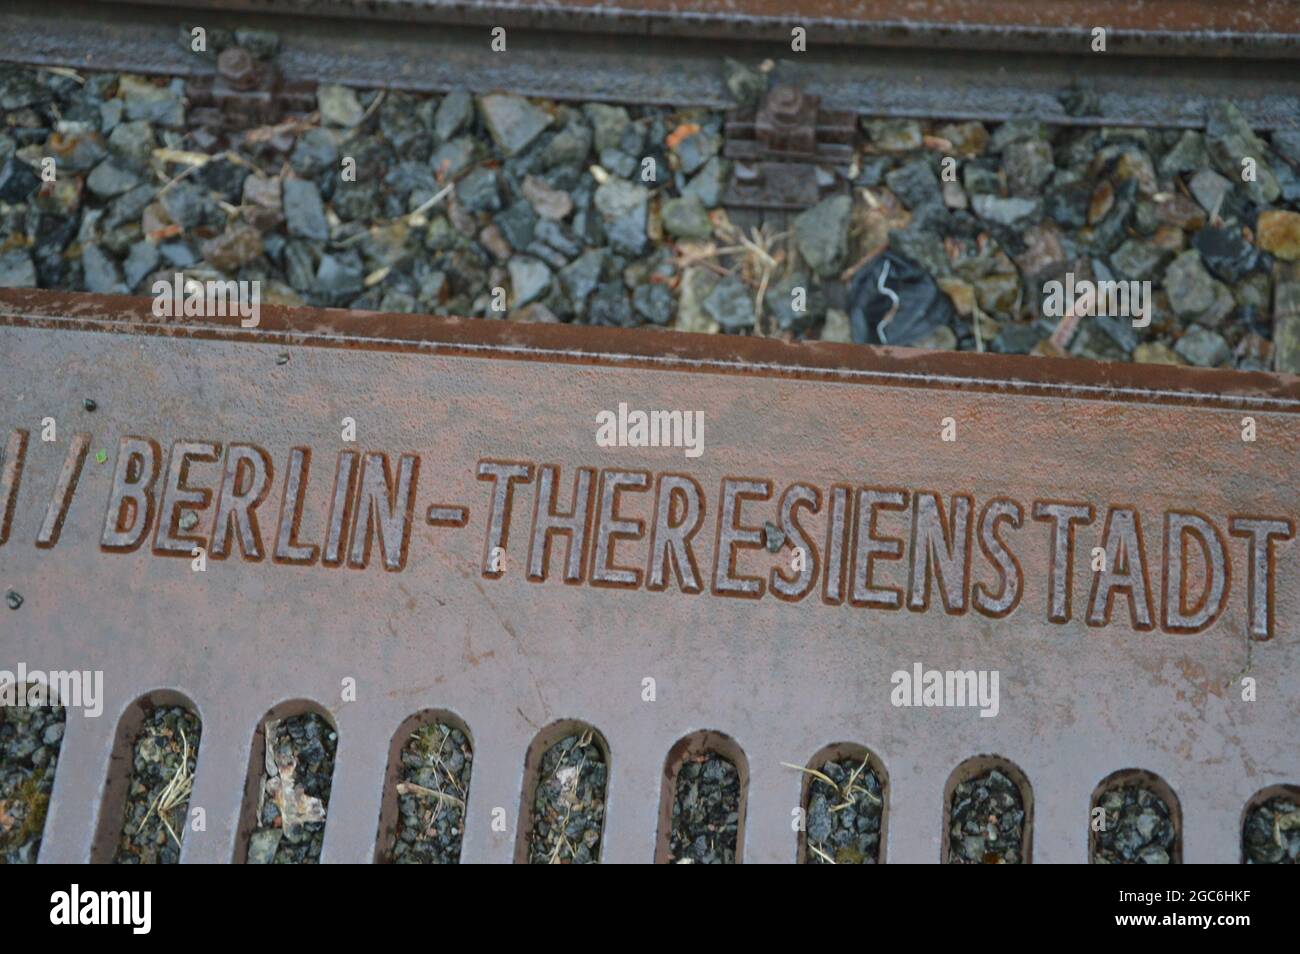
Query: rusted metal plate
point(1136, 668)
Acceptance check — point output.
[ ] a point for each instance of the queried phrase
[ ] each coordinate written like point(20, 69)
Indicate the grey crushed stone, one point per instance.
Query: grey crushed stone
point(30, 739)
point(986, 822)
point(1025, 207)
point(1137, 828)
point(436, 763)
point(706, 811)
point(568, 814)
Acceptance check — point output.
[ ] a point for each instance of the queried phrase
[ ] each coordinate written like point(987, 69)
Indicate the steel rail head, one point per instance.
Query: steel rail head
point(1012, 73)
point(1181, 28)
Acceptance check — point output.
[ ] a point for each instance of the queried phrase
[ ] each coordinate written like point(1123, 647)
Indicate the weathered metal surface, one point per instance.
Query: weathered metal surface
point(840, 445)
point(946, 82)
point(1162, 27)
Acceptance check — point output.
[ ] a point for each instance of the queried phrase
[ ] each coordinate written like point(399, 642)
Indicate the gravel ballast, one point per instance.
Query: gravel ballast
point(1272, 832)
point(163, 759)
point(529, 210)
point(987, 821)
point(842, 825)
point(30, 739)
point(434, 784)
point(706, 811)
point(295, 790)
point(1138, 828)
point(569, 806)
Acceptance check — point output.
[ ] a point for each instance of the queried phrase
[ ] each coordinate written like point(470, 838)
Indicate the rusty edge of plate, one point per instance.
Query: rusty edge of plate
point(723, 354)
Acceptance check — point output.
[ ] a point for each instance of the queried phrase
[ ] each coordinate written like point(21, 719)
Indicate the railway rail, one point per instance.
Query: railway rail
point(1271, 27)
point(1163, 63)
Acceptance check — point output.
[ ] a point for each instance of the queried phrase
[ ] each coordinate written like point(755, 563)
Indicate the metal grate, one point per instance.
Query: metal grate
point(347, 579)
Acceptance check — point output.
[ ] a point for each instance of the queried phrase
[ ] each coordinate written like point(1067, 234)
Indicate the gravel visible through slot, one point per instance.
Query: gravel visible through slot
point(843, 820)
point(295, 791)
point(987, 821)
point(569, 807)
point(30, 739)
point(706, 811)
point(1138, 828)
point(163, 759)
point(1272, 832)
point(435, 773)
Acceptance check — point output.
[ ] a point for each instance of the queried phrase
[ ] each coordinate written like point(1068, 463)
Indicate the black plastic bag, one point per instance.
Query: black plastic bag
point(894, 301)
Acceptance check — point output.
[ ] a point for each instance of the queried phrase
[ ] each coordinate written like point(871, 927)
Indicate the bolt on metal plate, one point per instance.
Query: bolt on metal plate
point(480, 550)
